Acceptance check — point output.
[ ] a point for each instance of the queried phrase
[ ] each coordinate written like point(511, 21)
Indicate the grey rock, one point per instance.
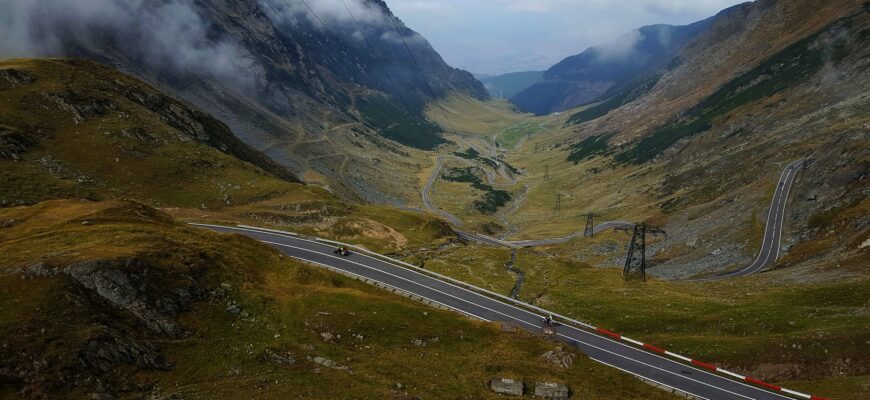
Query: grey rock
point(506, 386)
point(38, 270)
point(553, 391)
point(17, 77)
point(111, 349)
point(559, 357)
point(123, 283)
point(278, 357)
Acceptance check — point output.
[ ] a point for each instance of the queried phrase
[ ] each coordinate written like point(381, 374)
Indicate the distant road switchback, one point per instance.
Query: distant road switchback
point(771, 243)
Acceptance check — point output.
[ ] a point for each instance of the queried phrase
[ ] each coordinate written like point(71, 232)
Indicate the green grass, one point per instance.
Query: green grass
point(408, 127)
point(745, 323)
point(285, 306)
point(492, 199)
point(511, 136)
point(586, 148)
point(97, 159)
point(474, 155)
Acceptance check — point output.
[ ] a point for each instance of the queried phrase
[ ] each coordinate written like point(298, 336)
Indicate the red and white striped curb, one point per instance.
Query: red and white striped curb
point(711, 367)
point(602, 331)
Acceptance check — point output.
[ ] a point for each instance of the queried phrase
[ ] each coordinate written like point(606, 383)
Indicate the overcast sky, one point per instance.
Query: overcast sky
point(498, 36)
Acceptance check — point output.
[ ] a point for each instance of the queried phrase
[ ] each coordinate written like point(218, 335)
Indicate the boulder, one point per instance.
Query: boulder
point(552, 391)
point(506, 386)
point(559, 357)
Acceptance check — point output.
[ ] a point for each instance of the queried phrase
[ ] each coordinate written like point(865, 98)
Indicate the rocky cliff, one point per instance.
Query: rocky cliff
point(326, 90)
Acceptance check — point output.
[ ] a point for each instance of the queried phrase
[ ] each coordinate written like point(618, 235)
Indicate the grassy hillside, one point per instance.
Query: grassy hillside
point(76, 129)
point(121, 300)
point(799, 332)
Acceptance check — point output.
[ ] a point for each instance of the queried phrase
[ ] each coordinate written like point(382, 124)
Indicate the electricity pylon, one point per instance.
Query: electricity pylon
point(589, 231)
point(635, 261)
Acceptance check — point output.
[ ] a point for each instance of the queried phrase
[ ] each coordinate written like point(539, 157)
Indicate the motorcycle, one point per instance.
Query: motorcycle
point(549, 322)
point(342, 251)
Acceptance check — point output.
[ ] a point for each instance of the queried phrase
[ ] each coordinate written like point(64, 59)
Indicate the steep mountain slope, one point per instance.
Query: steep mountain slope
point(508, 85)
point(774, 82)
point(76, 129)
point(329, 92)
point(588, 76)
point(73, 128)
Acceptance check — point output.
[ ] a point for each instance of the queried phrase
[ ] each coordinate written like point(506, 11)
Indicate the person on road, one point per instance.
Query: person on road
point(549, 320)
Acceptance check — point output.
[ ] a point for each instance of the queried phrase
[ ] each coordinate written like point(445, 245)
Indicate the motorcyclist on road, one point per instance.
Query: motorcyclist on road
point(549, 320)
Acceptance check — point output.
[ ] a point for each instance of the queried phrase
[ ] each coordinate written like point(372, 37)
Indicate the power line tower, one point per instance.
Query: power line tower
point(558, 202)
point(635, 261)
point(590, 225)
point(547, 172)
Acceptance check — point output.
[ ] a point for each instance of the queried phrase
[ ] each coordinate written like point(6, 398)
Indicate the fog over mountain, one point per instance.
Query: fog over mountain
point(268, 68)
point(500, 36)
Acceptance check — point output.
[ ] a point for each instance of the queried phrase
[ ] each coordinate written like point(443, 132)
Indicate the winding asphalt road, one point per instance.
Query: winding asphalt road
point(771, 243)
point(427, 202)
point(632, 360)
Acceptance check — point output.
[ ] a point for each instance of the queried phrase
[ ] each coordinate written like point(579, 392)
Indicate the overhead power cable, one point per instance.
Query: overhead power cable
point(420, 71)
point(337, 37)
point(398, 90)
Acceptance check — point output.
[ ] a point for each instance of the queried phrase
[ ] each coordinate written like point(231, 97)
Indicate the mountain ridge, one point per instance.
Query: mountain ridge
point(276, 74)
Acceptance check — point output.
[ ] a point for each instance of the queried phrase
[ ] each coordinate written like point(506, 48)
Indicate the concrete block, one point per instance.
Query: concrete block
point(506, 386)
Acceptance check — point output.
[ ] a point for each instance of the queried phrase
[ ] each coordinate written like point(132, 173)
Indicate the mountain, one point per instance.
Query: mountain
point(329, 92)
point(588, 76)
point(768, 83)
point(74, 128)
point(508, 85)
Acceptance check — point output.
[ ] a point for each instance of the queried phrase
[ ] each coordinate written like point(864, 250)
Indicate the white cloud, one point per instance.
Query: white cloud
point(497, 36)
point(168, 34)
point(326, 11)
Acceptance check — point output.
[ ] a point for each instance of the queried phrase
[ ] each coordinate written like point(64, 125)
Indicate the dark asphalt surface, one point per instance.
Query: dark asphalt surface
point(605, 350)
point(771, 243)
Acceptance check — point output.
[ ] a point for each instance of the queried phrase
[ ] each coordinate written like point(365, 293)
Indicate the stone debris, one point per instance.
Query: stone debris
point(328, 363)
point(559, 357)
point(506, 386)
point(552, 391)
point(278, 357)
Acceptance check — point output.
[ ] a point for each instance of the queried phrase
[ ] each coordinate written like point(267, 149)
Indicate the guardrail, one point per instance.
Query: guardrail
point(562, 318)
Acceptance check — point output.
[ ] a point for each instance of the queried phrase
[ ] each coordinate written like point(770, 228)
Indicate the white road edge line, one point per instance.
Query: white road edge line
point(509, 305)
point(645, 378)
point(509, 317)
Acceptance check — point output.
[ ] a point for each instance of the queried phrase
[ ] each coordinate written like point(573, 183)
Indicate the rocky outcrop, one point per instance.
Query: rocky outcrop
point(126, 284)
point(559, 357)
point(16, 77)
point(13, 144)
point(201, 127)
point(80, 105)
point(111, 349)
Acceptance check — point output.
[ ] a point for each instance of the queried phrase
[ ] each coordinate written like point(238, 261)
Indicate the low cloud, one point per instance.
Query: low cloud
point(166, 34)
point(620, 48)
point(328, 12)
